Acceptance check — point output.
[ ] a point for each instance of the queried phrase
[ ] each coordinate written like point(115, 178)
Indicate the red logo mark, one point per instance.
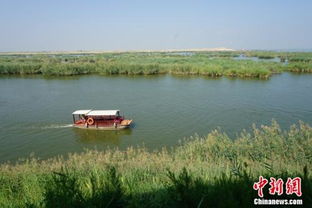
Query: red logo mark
point(293, 186)
point(276, 186)
point(260, 185)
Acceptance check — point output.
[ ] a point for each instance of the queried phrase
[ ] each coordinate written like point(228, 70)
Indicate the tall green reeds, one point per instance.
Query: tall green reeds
point(215, 171)
point(214, 64)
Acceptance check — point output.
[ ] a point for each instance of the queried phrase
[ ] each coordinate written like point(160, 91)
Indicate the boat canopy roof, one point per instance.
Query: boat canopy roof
point(81, 112)
point(97, 112)
point(103, 113)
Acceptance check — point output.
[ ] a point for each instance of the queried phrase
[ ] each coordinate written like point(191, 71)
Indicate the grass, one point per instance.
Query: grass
point(300, 67)
point(211, 171)
point(213, 64)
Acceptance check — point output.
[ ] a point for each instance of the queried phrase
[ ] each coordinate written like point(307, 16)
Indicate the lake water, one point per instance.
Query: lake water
point(257, 59)
point(36, 112)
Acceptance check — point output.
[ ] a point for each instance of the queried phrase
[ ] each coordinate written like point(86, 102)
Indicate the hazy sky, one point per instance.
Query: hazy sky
point(173, 24)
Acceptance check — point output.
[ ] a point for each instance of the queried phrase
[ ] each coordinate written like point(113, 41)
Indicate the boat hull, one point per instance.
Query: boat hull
point(118, 127)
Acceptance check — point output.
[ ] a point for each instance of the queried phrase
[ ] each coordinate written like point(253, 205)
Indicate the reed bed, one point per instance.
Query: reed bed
point(300, 67)
point(213, 64)
point(215, 171)
point(289, 56)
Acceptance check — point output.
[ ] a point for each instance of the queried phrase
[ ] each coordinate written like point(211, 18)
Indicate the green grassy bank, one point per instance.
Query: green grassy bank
point(213, 64)
point(211, 171)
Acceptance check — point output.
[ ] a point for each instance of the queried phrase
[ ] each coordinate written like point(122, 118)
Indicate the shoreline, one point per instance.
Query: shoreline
point(214, 166)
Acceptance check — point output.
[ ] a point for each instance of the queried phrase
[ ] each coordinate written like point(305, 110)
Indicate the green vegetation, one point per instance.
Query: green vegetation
point(300, 67)
point(212, 171)
point(213, 64)
point(289, 56)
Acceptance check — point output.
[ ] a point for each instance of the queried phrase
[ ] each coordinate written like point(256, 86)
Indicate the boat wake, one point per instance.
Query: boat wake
point(57, 126)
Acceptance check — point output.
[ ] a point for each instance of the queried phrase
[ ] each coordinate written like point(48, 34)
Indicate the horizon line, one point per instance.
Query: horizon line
point(218, 49)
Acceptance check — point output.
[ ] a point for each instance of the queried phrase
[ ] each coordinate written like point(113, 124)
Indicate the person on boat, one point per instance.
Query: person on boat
point(84, 118)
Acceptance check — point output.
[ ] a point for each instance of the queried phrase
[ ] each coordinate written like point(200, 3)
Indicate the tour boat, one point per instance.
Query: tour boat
point(100, 119)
